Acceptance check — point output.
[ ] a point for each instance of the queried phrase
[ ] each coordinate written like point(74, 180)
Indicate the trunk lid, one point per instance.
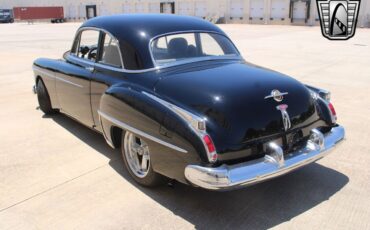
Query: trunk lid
point(232, 98)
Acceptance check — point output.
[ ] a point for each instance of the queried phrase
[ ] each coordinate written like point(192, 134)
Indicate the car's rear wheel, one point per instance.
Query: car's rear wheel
point(136, 155)
point(44, 99)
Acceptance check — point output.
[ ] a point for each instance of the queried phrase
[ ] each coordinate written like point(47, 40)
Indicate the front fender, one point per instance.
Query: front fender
point(171, 142)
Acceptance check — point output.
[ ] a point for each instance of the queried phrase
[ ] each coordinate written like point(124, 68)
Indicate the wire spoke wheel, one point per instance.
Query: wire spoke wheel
point(137, 155)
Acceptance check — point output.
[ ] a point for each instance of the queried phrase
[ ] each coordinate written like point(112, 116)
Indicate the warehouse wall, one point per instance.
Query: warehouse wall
point(284, 12)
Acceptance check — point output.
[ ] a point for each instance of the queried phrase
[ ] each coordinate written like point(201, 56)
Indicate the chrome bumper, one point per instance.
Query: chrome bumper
point(226, 177)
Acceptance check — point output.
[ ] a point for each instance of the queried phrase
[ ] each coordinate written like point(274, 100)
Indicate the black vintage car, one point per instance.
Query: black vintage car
point(175, 95)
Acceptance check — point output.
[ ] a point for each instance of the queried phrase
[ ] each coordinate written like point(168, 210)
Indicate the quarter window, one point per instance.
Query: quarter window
point(88, 46)
point(110, 52)
point(211, 47)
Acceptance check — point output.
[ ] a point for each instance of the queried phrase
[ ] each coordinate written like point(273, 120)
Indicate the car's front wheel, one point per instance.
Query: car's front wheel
point(43, 98)
point(136, 155)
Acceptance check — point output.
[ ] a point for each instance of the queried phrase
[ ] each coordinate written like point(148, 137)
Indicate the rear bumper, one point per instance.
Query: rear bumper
point(226, 177)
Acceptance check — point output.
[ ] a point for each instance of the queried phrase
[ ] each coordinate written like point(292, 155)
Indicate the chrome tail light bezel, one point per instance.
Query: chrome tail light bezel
point(196, 123)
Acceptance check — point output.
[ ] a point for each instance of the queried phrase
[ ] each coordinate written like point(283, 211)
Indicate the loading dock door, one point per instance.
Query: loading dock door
point(154, 8)
point(201, 9)
point(236, 9)
point(256, 8)
point(126, 8)
point(90, 11)
point(279, 9)
point(103, 10)
point(167, 7)
point(299, 10)
point(72, 12)
point(139, 8)
point(184, 8)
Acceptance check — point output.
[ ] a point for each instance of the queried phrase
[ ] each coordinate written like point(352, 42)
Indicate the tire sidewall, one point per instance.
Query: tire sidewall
point(151, 179)
point(43, 98)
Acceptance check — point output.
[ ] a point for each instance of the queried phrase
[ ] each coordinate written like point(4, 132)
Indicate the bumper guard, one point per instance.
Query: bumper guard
point(275, 163)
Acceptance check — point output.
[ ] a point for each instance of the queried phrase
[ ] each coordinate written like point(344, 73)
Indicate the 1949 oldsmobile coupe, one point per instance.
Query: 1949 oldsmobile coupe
point(175, 95)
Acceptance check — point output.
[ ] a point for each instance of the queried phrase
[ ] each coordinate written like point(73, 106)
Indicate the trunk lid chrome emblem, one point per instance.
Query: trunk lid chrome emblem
point(277, 95)
point(285, 116)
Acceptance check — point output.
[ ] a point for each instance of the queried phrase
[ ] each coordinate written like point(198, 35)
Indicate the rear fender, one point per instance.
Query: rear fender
point(171, 142)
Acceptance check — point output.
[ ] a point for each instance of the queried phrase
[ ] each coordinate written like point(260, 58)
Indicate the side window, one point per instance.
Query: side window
point(210, 46)
point(88, 46)
point(110, 52)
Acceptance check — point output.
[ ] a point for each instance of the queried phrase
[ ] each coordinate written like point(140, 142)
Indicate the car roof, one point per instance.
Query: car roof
point(138, 29)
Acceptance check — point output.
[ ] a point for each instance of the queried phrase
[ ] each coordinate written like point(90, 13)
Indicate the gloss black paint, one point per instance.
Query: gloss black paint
point(229, 93)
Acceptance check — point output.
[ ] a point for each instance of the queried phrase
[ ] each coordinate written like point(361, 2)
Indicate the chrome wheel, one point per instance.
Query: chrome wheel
point(137, 155)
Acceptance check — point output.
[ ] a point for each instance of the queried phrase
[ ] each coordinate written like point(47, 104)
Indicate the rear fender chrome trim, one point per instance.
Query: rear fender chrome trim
point(139, 132)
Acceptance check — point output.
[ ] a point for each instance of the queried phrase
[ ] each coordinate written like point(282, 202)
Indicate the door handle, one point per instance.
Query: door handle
point(90, 68)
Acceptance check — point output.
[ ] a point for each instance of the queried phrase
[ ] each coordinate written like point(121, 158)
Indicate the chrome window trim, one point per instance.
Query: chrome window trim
point(237, 57)
point(155, 67)
point(80, 30)
point(139, 132)
point(55, 77)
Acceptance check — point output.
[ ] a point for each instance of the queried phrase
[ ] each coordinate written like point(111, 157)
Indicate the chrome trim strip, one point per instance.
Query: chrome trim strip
point(100, 30)
point(55, 77)
point(191, 119)
point(139, 132)
point(123, 70)
point(72, 56)
point(68, 82)
point(226, 177)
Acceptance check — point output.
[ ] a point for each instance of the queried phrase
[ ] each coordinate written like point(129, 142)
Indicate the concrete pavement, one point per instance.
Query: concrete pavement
point(57, 174)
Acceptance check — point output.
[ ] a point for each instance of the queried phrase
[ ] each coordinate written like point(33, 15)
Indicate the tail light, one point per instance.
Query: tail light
point(211, 149)
point(333, 113)
point(196, 123)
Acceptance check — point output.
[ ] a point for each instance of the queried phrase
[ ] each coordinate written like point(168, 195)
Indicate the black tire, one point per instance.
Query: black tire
point(151, 179)
point(44, 99)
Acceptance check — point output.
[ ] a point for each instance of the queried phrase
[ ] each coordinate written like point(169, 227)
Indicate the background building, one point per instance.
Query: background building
point(286, 12)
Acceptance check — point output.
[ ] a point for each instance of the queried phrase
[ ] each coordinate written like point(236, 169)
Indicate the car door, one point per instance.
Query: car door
point(108, 70)
point(74, 81)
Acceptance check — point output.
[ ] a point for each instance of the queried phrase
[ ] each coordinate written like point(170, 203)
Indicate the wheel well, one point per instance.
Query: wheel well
point(38, 78)
point(116, 134)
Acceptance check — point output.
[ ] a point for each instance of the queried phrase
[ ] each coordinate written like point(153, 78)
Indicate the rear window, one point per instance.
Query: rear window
point(182, 47)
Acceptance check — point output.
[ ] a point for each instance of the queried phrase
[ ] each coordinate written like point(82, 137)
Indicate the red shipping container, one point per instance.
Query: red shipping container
point(33, 13)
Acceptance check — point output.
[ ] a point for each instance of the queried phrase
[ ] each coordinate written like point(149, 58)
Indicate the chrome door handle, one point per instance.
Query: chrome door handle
point(90, 68)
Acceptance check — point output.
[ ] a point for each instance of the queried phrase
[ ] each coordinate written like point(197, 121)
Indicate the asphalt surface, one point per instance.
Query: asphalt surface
point(57, 174)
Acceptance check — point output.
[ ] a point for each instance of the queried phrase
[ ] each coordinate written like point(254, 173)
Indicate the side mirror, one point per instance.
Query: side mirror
point(66, 54)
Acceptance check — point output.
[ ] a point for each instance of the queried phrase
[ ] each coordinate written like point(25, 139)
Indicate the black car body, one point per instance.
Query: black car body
point(6, 16)
point(176, 96)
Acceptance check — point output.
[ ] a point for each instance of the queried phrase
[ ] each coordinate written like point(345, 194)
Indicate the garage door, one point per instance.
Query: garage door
point(184, 8)
point(167, 8)
point(201, 9)
point(103, 10)
point(139, 8)
point(236, 9)
point(256, 8)
point(126, 8)
point(299, 10)
point(279, 8)
point(154, 8)
point(72, 11)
